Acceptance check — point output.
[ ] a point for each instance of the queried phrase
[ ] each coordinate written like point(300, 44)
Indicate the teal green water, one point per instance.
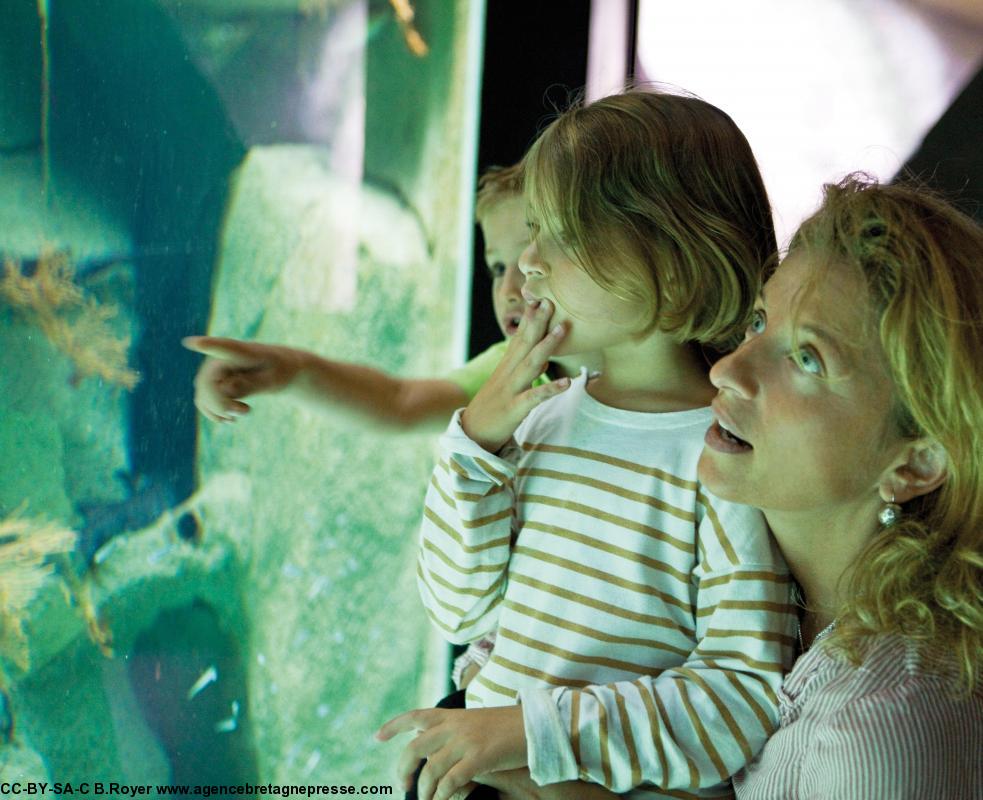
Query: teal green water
point(239, 606)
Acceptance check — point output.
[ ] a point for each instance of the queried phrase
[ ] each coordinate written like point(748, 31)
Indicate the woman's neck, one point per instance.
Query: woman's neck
point(654, 374)
point(821, 546)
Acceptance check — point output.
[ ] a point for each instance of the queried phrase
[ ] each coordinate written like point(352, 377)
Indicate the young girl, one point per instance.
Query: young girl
point(582, 533)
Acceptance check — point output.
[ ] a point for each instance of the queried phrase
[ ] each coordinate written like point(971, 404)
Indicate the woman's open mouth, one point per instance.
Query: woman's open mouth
point(722, 440)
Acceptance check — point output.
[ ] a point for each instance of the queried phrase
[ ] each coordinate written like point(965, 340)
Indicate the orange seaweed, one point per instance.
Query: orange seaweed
point(74, 323)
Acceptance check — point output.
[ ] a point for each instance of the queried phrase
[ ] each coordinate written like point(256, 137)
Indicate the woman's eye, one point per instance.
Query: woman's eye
point(756, 325)
point(808, 361)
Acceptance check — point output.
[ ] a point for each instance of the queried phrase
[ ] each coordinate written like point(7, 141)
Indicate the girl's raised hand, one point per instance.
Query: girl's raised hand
point(235, 369)
point(458, 746)
point(508, 395)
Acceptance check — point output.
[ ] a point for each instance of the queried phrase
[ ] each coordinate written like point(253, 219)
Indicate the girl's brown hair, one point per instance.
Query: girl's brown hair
point(923, 264)
point(658, 197)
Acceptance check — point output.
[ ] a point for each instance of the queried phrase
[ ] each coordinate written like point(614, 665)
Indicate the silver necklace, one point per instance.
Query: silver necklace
point(801, 603)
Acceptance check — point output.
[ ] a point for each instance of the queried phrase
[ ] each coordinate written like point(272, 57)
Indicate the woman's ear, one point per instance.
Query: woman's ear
point(921, 467)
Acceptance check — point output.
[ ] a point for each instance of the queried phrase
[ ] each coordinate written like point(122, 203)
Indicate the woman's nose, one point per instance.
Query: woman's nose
point(736, 371)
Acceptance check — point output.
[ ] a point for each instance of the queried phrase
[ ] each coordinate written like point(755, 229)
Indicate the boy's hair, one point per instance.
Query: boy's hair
point(494, 185)
point(922, 261)
point(658, 197)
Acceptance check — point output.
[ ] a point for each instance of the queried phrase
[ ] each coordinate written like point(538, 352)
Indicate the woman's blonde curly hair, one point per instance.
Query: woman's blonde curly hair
point(923, 263)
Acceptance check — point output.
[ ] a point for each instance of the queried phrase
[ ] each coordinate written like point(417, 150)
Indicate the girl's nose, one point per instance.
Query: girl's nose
point(529, 263)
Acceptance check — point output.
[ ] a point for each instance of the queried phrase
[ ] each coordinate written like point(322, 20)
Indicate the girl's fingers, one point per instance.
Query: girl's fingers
point(536, 361)
point(456, 778)
point(531, 398)
point(464, 791)
point(431, 774)
point(404, 723)
point(415, 752)
point(532, 327)
point(531, 355)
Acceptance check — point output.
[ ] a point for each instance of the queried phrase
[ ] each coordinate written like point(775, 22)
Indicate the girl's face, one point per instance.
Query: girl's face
point(596, 320)
point(805, 431)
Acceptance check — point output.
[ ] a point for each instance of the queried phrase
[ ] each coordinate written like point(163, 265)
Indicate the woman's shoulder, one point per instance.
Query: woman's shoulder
point(897, 720)
point(899, 684)
point(888, 663)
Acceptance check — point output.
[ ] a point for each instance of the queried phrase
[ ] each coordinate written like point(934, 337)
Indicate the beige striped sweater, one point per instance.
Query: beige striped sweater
point(663, 614)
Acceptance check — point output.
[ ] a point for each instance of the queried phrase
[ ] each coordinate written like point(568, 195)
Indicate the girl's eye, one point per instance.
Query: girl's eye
point(756, 325)
point(496, 270)
point(808, 361)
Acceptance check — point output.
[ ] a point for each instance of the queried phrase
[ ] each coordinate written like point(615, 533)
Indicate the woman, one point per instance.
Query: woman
point(852, 415)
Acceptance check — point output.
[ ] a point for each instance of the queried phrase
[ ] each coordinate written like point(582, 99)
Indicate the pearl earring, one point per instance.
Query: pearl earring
point(889, 513)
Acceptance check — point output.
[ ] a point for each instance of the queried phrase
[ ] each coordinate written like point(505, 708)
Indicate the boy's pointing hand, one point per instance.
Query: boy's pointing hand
point(235, 369)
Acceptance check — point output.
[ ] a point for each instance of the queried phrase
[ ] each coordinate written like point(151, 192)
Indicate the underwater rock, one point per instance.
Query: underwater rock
point(148, 500)
point(31, 462)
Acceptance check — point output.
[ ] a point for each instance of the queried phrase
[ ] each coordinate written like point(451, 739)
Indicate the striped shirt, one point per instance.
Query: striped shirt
point(607, 569)
point(890, 729)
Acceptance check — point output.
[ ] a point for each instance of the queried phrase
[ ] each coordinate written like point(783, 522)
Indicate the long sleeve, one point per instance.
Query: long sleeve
point(690, 726)
point(465, 537)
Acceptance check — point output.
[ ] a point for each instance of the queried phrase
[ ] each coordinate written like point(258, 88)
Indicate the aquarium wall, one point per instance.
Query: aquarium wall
point(184, 602)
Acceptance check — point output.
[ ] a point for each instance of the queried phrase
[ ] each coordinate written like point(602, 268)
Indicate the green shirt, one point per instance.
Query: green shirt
point(472, 375)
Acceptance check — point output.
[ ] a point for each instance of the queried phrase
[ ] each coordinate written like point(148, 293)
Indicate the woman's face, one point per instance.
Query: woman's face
point(815, 431)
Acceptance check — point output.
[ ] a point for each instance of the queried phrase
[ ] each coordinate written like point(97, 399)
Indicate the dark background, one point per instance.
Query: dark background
point(534, 60)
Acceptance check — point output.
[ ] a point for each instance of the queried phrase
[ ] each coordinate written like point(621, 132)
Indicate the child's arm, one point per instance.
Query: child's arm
point(691, 726)
point(697, 724)
point(465, 537)
point(517, 785)
point(236, 369)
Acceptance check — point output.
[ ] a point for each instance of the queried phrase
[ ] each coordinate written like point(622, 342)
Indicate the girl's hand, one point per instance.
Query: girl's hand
point(457, 745)
point(517, 785)
point(235, 369)
point(506, 397)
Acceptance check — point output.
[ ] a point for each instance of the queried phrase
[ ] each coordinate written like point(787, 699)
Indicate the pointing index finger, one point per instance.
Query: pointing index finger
point(220, 347)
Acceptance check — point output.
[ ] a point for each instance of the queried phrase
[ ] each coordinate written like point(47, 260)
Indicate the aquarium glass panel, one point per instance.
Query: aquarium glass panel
point(186, 601)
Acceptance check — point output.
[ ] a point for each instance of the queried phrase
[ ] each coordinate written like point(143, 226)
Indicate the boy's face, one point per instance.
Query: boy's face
point(506, 236)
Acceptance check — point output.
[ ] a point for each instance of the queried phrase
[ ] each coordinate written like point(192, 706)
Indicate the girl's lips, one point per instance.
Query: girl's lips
point(718, 439)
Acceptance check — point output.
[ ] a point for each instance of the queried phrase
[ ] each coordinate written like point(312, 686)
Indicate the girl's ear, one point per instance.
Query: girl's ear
point(921, 467)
